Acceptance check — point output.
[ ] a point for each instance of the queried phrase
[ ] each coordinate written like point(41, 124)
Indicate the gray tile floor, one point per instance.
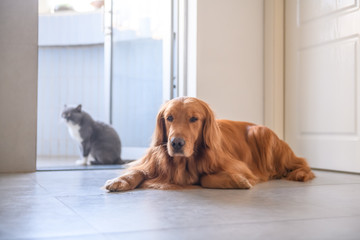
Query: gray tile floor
point(71, 205)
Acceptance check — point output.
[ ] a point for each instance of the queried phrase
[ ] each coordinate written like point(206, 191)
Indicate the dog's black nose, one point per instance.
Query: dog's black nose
point(177, 143)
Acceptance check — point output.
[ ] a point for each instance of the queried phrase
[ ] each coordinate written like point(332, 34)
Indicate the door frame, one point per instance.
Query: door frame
point(274, 66)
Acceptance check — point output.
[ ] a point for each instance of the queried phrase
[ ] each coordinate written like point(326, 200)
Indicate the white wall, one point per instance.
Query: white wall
point(230, 58)
point(18, 85)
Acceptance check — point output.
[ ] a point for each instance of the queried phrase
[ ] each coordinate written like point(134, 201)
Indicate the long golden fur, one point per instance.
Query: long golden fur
point(190, 147)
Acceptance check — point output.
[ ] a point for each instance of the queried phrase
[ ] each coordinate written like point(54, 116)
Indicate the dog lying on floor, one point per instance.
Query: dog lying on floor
point(190, 147)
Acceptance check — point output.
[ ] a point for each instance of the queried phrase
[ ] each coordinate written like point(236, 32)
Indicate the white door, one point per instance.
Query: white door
point(322, 101)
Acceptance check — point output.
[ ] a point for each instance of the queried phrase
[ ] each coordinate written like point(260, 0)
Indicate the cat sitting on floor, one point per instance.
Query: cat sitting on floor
point(95, 138)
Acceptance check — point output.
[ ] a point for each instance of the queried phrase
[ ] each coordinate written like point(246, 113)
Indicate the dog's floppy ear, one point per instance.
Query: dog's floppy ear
point(160, 136)
point(211, 133)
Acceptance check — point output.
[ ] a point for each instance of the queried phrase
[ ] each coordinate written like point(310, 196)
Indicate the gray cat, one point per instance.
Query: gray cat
point(95, 138)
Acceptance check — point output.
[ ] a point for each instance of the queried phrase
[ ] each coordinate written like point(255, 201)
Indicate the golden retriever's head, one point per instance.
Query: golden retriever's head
point(184, 125)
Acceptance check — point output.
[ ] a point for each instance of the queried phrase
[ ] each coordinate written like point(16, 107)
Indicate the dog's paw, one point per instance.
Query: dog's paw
point(242, 182)
point(301, 175)
point(117, 185)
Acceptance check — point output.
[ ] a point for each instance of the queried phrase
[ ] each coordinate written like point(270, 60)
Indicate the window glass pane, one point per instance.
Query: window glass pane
point(140, 31)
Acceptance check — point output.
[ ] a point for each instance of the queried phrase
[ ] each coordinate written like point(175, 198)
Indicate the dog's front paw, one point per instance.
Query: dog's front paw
point(117, 185)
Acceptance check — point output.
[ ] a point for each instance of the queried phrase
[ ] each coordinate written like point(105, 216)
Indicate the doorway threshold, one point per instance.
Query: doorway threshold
point(68, 164)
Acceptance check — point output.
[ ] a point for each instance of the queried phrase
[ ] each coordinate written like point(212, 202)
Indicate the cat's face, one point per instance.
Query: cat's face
point(72, 114)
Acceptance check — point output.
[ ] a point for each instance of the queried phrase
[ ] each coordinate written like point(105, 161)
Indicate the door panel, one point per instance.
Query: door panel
point(322, 82)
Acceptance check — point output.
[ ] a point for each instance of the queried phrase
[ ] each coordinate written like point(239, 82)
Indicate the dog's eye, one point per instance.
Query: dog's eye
point(170, 118)
point(193, 119)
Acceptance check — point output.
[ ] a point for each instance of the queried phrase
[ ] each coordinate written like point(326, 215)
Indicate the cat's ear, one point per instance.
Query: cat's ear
point(78, 108)
point(65, 106)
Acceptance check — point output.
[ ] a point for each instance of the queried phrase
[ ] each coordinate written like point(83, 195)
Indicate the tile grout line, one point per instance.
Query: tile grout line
point(77, 214)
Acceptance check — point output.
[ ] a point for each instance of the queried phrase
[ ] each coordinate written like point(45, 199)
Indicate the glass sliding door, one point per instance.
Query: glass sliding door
point(140, 70)
point(113, 57)
point(71, 72)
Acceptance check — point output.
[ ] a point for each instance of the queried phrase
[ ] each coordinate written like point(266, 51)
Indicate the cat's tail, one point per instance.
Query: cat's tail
point(119, 161)
point(116, 161)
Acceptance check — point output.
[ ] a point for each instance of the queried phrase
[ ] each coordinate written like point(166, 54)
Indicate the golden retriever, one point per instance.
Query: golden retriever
point(190, 147)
